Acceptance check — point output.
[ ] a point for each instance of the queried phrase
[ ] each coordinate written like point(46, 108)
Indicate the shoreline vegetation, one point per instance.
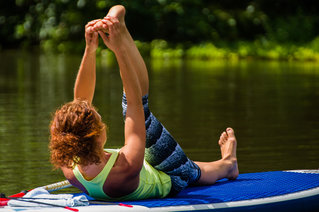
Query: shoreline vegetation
point(163, 50)
point(261, 49)
point(241, 50)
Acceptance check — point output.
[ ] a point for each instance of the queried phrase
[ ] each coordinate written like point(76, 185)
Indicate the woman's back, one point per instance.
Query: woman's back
point(113, 184)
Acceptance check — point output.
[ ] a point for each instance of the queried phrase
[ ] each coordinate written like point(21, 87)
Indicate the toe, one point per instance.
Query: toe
point(230, 132)
point(224, 135)
point(221, 140)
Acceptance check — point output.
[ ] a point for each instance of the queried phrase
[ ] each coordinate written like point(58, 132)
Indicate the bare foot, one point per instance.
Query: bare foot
point(228, 147)
point(117, 11)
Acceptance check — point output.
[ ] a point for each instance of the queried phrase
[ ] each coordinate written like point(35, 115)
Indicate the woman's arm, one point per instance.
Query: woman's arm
point(85, 81)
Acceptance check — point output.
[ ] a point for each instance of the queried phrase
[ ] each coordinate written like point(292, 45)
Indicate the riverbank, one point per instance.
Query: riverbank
point(162, 50)
point(260, 49)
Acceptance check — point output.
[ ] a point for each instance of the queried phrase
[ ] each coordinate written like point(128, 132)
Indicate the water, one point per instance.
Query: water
point(273, 107)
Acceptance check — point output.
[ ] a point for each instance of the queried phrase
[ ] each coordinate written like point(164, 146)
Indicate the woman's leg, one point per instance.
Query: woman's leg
point(162, 151)
point(134, 55)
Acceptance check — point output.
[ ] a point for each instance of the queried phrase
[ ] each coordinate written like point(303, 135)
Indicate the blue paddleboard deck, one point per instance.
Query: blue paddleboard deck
point(282, 190)
point(263, 191)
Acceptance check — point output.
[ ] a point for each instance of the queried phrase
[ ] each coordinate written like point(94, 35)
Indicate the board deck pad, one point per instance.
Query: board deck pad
point(293, 191)
point(246, 187)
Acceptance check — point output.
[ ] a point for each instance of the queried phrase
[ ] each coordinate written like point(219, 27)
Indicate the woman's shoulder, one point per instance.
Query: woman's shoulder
point(121, 180)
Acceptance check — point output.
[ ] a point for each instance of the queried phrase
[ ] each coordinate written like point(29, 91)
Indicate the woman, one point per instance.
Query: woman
point(150, 164)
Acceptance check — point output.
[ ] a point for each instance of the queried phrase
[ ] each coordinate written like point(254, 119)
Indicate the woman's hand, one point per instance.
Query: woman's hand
point(115, 39)
point(99, 25)
point(91, 36)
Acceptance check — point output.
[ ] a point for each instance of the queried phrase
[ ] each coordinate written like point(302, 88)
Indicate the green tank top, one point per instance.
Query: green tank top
point(153, 183)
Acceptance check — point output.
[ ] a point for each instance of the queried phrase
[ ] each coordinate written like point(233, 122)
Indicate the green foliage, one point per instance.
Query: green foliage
point(204, 29)
point(161, 50)
point(259, 49)
point(207, 51)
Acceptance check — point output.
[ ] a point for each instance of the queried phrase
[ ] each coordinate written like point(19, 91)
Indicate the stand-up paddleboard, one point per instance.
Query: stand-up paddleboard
point(296, 190)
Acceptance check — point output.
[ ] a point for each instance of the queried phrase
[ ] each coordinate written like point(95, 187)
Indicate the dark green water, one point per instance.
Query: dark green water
point(273, 107)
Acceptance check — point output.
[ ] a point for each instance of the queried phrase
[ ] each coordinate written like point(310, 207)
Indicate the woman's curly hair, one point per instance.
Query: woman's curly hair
point(74, 130)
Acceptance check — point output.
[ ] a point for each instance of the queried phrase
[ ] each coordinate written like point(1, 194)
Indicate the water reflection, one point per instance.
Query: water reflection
point(271, 105)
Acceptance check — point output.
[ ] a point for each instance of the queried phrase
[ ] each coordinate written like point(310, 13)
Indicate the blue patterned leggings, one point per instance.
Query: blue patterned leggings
point(164, 153)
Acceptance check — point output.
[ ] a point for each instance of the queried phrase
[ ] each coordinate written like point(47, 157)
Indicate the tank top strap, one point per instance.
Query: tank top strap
point(110, 163)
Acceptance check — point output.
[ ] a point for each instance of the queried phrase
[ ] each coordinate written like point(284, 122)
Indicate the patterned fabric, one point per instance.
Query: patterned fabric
point(164, 153)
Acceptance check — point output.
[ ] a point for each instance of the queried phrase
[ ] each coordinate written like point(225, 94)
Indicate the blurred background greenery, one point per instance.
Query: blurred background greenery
point(200, 29)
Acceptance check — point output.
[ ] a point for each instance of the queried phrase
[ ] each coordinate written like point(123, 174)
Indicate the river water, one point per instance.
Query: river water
point(272, 106)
